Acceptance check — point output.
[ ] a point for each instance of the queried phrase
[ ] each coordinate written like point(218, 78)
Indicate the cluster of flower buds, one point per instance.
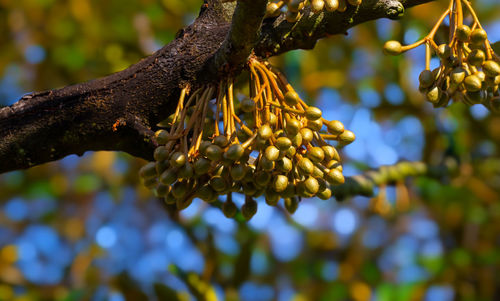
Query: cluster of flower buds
point(469, 69)
point(294, 8)
point(270, 144)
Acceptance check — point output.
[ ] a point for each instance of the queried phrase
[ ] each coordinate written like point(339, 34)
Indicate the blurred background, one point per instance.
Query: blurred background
point(84, 228)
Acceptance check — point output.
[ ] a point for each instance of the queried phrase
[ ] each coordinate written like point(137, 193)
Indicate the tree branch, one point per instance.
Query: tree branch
point(242, 37)
point(279, 36)
point(119, 112)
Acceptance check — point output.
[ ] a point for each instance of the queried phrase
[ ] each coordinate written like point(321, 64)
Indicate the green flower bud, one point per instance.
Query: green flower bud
point(265, 132)
point(148, 170)
point(161, 136)
point(177, 160)
point(213, 152)
point(249, 209)
point(313, 113)
point(234, 152)
point(280, 183)
point(392, 48)
point(291, 98)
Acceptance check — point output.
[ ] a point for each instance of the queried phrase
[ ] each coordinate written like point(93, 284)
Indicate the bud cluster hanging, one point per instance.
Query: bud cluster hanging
point(269, 144)
point(469, 69)
point(294, 8)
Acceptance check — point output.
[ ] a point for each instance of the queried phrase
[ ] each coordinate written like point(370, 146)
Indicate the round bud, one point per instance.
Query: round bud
point(346, 137)
point(333, 164)
point(290, 152)
point(472, 83)
point(291, 98)
point(305, 166)
point(463, 33)
point(335, 127)
point(221, 141)
point(444, 51)
point(292, 126)
point(434, 95)
point(330, 153)
point(481, 75)
point(201, 166)
point(335, 177)
point(272, 10)
point(238, 172)
point(203, 146)
point(149, 183)
point(160, 153)
point(161, 136)
point(313, 113)
point(491, 68)
point(169, 198)
point(317, 5)
point(355, 2)
point(284, 165)
point(478, 36)
point(272, 153)
point(186, 171)
point(234, 152)
point(266, 164)
point(218, 183)
point(317, 173)
point(311, 185)
point(296, 140)
point(325, 194)
point(475, 97)
point(283, 143)
point(476, 57)
point(426, 79)
point(168, 177)
point(316, 154)
point(249, 209)
point(148, 170)
point(206, 193)
point(213, 152)
point(457, 76)
point(180, 190)
point(273, 120)
point(161, 166)
point(331, 5)
point(392, 48)
point(229, 209)
point(307, 135)
point(291, 204)
point(272, 198)
point(161, 190)
point(262, 178)
point(178, 159)
point(247, 105)
point(280, 183)
point(265, 132)
point(315, 125)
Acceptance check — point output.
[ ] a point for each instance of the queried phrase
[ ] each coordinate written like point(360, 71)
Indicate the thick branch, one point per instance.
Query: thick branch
point(242, 37)
point(279, 36)
point(119, 112)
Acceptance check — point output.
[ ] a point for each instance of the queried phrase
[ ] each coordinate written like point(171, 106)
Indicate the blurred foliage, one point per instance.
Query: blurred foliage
point(85, 229)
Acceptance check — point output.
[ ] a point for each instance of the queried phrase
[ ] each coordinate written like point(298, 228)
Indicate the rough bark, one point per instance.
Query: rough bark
point(119, 112)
